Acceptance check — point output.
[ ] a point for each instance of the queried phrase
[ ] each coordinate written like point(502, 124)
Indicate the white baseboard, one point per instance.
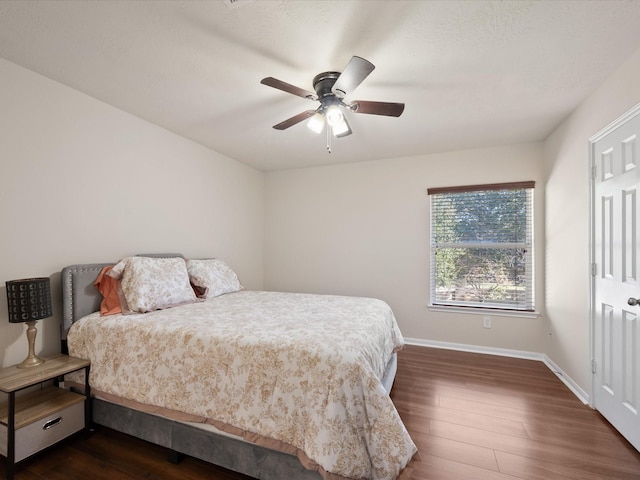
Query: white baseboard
point(504, 352)
point(567, 380)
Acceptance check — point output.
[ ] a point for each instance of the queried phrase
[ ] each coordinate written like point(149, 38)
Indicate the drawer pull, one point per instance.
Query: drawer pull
point(52, 423)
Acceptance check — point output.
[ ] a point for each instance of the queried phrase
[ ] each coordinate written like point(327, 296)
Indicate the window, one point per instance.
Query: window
point(482, 246)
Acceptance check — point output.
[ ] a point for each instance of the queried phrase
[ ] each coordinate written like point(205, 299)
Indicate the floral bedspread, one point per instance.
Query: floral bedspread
point(300, 369)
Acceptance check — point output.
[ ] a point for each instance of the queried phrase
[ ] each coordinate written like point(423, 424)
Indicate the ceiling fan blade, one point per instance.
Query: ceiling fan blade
point(287, 87)
point(353, 74)
point(295, 119)
point(377, 108)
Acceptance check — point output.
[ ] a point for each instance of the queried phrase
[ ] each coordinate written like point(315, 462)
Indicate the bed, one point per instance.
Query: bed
point(240, 379)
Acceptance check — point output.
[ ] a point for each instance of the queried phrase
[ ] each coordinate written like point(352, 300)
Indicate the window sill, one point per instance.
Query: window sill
point(483, 311)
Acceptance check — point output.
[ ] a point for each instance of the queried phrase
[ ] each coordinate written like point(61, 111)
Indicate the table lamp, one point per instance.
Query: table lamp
point(29, 300)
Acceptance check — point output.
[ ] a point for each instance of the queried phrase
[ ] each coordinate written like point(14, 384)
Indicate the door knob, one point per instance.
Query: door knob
point(633, 301)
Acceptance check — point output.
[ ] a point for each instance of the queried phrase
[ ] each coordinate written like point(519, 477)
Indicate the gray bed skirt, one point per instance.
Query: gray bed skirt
point(182, 438)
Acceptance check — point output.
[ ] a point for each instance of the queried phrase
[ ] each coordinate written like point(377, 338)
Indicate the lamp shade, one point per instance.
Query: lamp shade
point(28, 299)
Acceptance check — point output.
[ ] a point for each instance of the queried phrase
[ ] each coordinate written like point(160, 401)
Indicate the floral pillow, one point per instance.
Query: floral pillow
point(149, 283)
point(213, 277)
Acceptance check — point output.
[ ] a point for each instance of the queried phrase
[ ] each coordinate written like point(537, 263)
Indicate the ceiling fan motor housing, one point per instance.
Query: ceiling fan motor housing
point(322, 84)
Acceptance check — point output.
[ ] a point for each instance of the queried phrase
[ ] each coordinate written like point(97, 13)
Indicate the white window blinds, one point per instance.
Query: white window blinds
point(482, 246)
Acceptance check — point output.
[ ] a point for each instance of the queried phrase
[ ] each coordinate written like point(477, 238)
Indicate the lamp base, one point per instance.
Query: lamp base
point(30, 362)
point(32, 359)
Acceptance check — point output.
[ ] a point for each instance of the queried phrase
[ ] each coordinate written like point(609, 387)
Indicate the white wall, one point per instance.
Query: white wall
point(567, 219)
point(70, 161)
point(81, 181)
point(363, 229)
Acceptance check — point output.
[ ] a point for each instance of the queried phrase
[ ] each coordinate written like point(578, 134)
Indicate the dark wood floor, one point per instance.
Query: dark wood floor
point(472, 416)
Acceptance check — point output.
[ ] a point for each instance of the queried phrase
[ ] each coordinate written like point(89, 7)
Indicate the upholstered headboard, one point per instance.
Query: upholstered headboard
point(79, 296)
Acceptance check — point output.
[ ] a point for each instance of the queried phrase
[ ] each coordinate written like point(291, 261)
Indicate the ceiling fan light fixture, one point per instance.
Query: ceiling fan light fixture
point(316, 122)
point(341, 129)
point(337, 122)
point(334, 116)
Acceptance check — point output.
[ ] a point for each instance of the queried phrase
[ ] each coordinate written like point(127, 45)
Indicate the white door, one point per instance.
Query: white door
point(615, 156)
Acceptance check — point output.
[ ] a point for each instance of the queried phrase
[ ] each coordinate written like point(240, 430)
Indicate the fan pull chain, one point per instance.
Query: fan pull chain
point(328, 138)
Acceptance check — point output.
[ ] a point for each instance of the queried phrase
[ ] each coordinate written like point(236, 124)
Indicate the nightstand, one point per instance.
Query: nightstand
point(38, 419)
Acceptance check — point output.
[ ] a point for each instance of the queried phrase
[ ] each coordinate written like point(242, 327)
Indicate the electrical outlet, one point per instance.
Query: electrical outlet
point(486, 322)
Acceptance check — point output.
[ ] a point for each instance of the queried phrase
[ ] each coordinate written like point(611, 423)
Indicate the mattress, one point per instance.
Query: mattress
point(296, 372)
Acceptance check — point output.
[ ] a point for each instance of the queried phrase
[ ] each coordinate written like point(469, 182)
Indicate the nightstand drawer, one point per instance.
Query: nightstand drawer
point(47, 430)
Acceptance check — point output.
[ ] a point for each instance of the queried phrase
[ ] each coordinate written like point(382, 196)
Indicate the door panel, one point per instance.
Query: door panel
point(616, 237)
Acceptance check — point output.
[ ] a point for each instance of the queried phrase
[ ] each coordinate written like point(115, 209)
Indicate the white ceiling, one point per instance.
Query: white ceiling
point(471, 73)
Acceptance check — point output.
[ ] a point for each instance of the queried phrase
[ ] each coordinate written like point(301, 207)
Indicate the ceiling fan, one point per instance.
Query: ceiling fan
point(330, 90)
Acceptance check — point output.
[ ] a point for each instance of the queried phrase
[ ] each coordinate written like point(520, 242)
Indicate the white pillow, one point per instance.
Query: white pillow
point(149, 283)
point(213, 277)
